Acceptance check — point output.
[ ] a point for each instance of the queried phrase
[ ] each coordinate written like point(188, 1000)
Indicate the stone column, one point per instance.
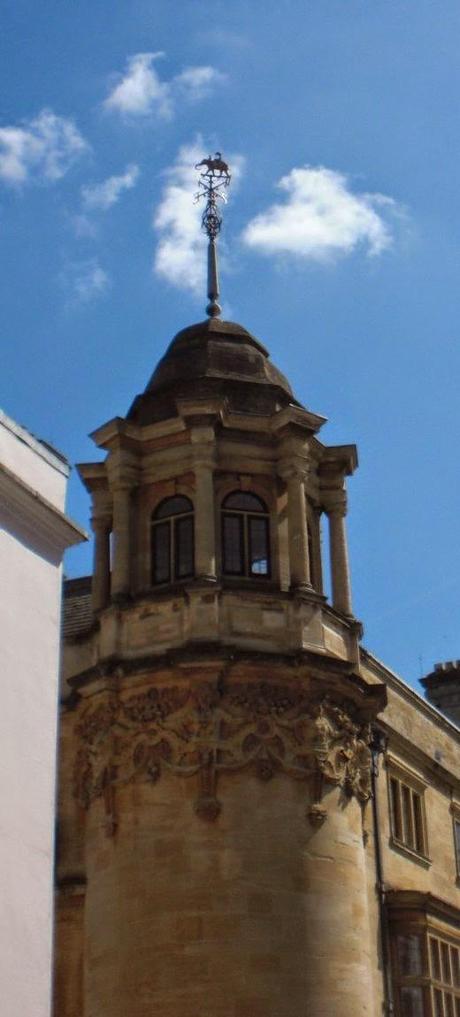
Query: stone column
point(299, 558)
point(317, 563)
point(205, 527)
point(121, 568)
point(336, 508)
point(101, 526)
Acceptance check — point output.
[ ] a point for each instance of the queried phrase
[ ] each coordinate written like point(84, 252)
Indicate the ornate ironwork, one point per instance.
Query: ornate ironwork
point(214, 179)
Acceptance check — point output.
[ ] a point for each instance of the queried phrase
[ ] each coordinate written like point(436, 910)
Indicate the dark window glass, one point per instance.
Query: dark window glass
point(172, 540)
point(438, 1008)
point(411, 999)
point(161, 553)
point(244, 502)
point(173, 507)
point(396, 808)
point(435, 962)
point(258, 546)
point(418, 821)
point(184, 547)
point(455, 965)
point(233, 557)
point(409, 947)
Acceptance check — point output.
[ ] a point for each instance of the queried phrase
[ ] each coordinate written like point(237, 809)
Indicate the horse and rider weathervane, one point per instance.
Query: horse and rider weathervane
point(214, 179)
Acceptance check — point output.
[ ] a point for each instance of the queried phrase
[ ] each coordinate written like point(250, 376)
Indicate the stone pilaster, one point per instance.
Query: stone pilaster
point(101, 526)
point(122, 475)
point(205, 526)
point(316, 564)
point(294, 474)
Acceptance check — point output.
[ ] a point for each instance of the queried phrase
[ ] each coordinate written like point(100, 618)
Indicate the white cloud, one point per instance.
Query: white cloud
point(180, 257)
point(84, 281)
point(321, 218)
point(39, 149)
point(141, 91)
point(104, 195)
point(197, 82)
point(82, 225)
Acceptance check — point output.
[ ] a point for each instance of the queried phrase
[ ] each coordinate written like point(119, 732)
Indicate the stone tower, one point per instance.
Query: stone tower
point(215, 758)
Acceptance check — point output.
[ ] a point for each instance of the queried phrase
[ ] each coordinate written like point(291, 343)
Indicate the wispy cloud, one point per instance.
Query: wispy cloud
point(141, 91)
point(180, 256)
point(105, 194)
point(84, 281)
point(40, 149)
point(195, 83)
point(321, 218)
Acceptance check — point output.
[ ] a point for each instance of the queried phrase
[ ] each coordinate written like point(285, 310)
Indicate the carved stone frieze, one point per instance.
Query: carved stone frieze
point(203, 731)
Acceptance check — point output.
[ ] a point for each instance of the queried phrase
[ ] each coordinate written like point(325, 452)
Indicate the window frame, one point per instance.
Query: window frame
point(407, 811)
point(433, 982)
point(172, 522)
point(245, 538)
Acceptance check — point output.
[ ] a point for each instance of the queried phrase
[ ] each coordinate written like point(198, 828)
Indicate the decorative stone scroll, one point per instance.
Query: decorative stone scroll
point(202, 731)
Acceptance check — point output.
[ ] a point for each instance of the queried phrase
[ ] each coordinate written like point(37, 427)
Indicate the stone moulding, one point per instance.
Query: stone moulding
point(203, 730)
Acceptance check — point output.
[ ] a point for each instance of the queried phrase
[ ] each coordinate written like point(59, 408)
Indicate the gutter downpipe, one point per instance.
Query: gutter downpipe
point(378, 745)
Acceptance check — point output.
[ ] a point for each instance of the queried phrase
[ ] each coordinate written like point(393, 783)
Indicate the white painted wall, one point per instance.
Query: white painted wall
point(30, 594)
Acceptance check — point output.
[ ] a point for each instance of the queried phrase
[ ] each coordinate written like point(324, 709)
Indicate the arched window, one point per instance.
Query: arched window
point(172, 540)
point(245, 535)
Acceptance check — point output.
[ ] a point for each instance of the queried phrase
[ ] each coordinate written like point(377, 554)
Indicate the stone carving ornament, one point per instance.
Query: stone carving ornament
point(202, 731)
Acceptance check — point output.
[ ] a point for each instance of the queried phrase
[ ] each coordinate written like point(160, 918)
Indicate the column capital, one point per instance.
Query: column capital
point(122, 470)
point(101, 523)
point(334, 500)
point(293, 468)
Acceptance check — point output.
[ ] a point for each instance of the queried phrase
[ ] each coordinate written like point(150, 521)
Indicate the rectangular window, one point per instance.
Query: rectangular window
point(426, 974)
point(444, 977)
point(232, 545)
point(161, 550)
point(407, 814)
point(184, 552)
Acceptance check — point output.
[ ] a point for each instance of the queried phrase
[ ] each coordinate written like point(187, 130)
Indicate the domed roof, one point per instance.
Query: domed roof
point(213, 357)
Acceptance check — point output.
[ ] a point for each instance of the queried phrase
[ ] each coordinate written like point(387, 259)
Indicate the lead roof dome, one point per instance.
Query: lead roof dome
point(213, 357)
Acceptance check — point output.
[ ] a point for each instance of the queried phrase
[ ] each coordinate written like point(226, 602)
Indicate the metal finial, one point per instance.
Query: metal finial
point(214, 179)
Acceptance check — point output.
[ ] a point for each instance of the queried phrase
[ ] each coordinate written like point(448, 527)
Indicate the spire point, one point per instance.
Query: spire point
point(214, 179)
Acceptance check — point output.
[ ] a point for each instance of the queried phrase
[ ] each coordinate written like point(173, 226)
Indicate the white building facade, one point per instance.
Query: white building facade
point(34, 533)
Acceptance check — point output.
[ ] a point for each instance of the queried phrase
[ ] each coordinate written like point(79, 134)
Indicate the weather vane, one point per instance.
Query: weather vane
point(214, 179)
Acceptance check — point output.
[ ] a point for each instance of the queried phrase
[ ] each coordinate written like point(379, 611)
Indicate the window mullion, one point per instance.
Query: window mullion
point(246, 551)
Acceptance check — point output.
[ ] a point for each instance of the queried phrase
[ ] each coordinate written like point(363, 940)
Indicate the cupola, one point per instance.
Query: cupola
point(208, 508)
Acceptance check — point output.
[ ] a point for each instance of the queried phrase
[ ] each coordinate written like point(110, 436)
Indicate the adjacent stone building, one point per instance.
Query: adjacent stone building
point(34, 533)
point(257, 818)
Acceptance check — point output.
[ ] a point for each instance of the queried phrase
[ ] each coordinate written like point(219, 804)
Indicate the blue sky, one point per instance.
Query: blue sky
point(347, 270)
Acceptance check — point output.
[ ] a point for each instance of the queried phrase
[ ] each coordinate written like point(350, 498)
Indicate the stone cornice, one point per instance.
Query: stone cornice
point(294, 419)
point(115, 433)
point(420, 903)
point(343, 459)
point(37, 514)
point(92, 475)
point(384, 673)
